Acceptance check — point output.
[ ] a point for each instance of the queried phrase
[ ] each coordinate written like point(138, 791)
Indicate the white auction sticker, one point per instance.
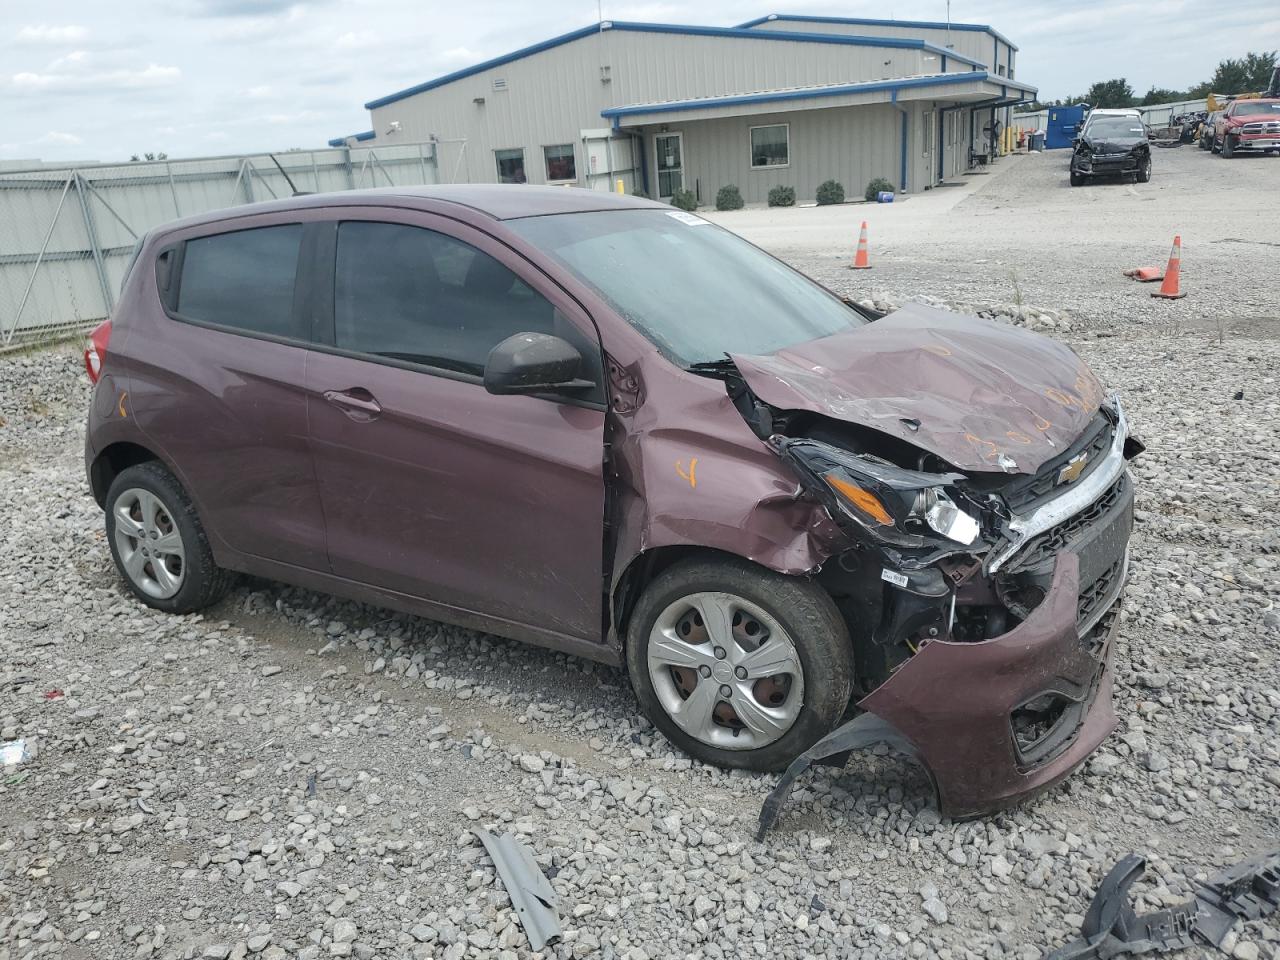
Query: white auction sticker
point(688, 218)
point(894, 577)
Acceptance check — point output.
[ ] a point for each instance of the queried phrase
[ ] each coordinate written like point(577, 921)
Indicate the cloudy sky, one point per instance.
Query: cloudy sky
point(87, 79)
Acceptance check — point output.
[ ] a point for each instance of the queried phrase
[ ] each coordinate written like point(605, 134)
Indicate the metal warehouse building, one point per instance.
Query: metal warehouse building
point(784, 100)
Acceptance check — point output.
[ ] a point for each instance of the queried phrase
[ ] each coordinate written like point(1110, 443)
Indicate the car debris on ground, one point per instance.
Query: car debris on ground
point(1249, 890)
point(532, 895)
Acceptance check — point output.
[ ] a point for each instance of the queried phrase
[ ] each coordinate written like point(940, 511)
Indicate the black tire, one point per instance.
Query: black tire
point(1228, 148)
point(203, 582)
point(800, 607)
point(1144, 171)
point(1206, 143)
point(1214, 146)
point(1076, 179)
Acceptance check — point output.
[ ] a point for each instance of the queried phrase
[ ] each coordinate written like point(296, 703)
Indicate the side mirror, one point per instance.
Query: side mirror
point(533, 363)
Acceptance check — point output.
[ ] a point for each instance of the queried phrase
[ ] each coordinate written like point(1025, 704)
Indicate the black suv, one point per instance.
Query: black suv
point(1111, 146)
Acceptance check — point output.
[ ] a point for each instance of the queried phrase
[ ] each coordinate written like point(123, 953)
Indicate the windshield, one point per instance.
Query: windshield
point(1120, 127)
point(695, 290)
point(1266, 106)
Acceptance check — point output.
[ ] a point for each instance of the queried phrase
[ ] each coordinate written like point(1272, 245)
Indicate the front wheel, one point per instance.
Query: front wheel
point(1076, 179)
point(158, 544)
point(1228, 147)
point(739, 666)
point(1144, 171)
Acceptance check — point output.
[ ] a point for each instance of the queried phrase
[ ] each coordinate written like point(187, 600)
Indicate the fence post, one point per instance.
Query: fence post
point(173, 189)
point(91, 229)
point(44, 246)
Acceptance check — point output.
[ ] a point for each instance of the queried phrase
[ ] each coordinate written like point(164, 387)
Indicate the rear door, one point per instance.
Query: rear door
point(217, 384)
point(432, 486)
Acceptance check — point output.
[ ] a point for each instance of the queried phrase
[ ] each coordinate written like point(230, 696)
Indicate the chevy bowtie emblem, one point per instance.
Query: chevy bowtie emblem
point(1074, 467)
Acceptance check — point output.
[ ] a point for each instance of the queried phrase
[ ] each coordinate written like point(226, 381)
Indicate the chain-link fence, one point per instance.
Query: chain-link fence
point(66, 234)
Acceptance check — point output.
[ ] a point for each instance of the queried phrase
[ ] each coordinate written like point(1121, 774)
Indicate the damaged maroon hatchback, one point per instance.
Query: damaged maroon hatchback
point(611, 428)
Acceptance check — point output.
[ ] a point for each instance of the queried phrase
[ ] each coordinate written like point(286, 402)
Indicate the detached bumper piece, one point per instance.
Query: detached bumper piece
point(1247, 891)
point(994, 722)
point(530, 891)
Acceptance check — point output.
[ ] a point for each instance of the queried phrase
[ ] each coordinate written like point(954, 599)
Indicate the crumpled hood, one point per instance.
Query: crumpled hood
point(983, 396)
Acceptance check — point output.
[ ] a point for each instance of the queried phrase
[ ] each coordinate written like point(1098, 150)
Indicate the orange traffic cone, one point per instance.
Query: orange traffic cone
point(860, 260)
point(1169, 290)
point(1144, 274)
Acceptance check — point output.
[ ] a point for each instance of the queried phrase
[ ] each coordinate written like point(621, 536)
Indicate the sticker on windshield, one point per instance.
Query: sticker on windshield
point(688, 218)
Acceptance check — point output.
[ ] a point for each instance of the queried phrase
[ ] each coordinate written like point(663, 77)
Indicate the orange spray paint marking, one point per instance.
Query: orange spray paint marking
point(1017, 437)
point(1060, 397)
point(979, 442)
point(1041, 423)
point(938, 349)
point(692, 475)
point(123, 412)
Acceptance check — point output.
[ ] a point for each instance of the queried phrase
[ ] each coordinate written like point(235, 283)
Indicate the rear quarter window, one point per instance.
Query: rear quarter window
point(244, 280)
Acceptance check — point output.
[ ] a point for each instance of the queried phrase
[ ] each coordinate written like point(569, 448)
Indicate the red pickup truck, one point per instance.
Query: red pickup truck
point(1248, 125)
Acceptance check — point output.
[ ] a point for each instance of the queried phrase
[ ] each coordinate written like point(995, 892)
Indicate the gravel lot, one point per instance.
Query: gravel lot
point(295, 776)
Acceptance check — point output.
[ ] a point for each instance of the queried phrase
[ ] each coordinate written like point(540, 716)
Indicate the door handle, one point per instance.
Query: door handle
point(357, 403)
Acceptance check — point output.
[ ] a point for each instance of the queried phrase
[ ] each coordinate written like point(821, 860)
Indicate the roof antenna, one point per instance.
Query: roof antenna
point(948, 24)
point(288, 179)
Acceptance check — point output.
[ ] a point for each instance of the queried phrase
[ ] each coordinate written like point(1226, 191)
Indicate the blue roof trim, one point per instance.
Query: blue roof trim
point(673, 28)
point(342, 141)
point(871, 22)
point(870, 86)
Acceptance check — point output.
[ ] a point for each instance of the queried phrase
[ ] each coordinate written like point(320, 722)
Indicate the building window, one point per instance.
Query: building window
point(560, 166)
point(510, 165)
point(770, 146)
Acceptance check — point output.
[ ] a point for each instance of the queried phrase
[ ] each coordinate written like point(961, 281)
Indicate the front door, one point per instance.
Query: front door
point(432, 486)
point(670, 165)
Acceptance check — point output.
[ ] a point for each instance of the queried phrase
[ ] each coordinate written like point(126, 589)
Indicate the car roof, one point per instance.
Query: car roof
point(1115, 112)
point(499, 201)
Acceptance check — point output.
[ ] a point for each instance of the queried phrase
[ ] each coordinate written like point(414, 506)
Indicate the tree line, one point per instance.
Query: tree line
point(1248, 74)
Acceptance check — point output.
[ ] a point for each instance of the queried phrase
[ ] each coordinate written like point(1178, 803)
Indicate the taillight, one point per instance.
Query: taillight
point(95, 350)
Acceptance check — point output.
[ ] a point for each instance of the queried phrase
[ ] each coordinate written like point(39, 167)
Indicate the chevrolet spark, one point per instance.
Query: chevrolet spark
point(610, 428)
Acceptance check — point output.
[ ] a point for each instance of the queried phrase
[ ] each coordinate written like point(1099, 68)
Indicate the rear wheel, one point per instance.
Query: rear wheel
point(737, 665)
point(158, 544)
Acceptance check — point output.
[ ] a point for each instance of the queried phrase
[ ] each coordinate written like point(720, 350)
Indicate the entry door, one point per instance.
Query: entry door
point(670, 165)
point(432, 486)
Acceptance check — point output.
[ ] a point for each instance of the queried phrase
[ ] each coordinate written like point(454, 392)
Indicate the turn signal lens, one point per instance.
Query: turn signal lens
point(864, 500)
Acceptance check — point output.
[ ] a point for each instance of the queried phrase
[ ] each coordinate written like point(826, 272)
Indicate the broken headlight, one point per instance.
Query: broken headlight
point(904, 508)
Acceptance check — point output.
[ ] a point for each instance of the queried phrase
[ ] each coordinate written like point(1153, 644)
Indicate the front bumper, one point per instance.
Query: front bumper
point(1247, 143)
point(1103, 166)
point(958, 704)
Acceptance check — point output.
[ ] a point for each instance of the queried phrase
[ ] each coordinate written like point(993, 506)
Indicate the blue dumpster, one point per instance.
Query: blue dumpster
point(1063, 122)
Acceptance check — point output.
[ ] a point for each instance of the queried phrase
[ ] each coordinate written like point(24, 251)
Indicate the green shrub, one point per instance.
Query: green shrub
point(830, 192)
point(782, 197)
point(875, 186)
point(729, 198)
point(685, 200)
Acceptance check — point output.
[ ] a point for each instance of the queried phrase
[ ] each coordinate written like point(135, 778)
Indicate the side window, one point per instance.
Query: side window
point(243, 279)
point(413, 294)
